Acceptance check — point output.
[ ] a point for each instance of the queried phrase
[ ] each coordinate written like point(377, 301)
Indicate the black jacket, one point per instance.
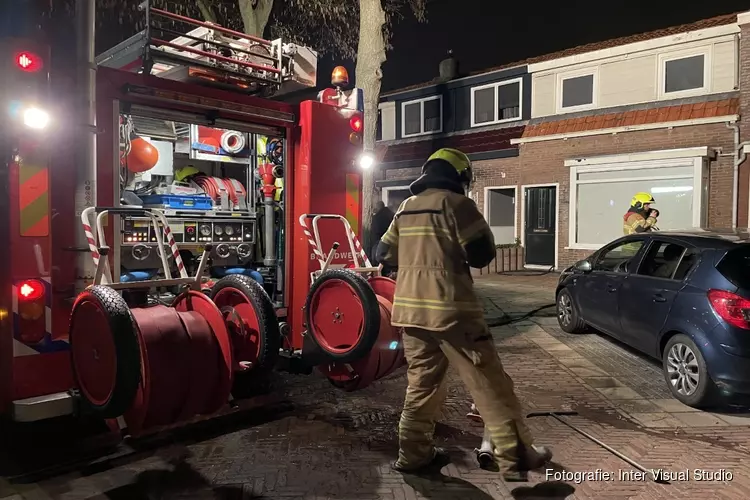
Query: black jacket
point(380, 222)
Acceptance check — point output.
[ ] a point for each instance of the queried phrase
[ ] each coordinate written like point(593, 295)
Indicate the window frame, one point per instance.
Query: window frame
point(421, 102)
point(562, 77)
point(662, 241)
point(661, 80)
point(496, 86)
point(700, 187)
point(618, 243)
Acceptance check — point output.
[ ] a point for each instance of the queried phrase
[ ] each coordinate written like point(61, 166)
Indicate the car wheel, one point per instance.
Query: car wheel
point(686, 374)
point(567, 313)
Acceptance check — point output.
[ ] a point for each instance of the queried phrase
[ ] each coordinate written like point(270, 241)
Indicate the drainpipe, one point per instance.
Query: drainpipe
point(739, 156)
point(737, 61)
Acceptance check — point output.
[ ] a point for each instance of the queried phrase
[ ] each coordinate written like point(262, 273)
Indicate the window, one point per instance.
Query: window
point(424, 116)
point(600, 196)
point(668, 261)
point(496, 103)
point(500, 212)
point(684, 74)
point(577, 92)
point(379, 129)
point(616, 258)
point(393, 197)
point(735, 266)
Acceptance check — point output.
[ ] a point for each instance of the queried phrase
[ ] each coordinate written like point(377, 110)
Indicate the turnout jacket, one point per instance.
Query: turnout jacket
point(635, 222)
point(433, 240)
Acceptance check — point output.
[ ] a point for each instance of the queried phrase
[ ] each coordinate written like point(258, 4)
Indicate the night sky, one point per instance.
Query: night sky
point(488, 33)
point(484, 33)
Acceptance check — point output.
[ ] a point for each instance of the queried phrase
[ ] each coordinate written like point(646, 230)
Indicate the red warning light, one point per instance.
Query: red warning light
point(30, 290)
point(356, 123)
point(28, 61)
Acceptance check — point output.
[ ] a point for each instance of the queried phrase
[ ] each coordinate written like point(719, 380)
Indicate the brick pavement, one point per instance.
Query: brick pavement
point(327, 444)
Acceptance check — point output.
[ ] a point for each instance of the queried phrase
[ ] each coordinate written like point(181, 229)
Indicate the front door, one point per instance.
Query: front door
point(540, 221)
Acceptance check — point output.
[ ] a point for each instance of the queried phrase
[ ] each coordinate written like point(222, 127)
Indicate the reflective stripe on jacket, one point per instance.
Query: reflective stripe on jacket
point(427, 241)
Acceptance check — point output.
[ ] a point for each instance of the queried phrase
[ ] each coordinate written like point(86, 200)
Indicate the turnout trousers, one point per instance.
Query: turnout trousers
point(474, 356)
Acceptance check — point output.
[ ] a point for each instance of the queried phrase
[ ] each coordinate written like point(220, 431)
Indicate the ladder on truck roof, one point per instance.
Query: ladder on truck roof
point(213, 55)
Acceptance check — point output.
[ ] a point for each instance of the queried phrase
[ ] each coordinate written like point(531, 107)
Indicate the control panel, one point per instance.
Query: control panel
point(186, 231)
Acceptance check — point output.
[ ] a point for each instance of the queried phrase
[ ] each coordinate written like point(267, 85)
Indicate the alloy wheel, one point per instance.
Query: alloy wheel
point(682, 369)
point(564, 309)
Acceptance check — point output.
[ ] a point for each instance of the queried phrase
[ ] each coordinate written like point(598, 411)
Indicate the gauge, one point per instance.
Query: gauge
point(205, 229)
point(218, 230)
point(228, 230)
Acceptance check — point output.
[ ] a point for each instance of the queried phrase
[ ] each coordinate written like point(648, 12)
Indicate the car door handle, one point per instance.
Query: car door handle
point(659, 298)
point(611, 288)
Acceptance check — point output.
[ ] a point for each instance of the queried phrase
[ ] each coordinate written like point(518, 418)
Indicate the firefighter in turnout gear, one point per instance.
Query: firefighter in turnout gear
point(640, 217)
point(436, 236)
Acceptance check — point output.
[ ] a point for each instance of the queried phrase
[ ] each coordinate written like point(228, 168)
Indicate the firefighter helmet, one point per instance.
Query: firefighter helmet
point(458, 160)
point(641, 199)
point(185, 172)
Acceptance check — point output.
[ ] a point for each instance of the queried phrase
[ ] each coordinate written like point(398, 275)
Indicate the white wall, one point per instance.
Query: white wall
point(633, 73)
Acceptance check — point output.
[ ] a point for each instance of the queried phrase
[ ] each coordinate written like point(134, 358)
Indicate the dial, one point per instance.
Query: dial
point(205, 229)
point(228, 230)
point(218, 230)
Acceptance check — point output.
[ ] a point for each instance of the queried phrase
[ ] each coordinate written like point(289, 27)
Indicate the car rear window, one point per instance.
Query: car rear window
point(735, 266)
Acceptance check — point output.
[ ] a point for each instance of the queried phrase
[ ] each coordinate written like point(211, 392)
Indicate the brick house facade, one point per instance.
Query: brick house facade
point(581, 157)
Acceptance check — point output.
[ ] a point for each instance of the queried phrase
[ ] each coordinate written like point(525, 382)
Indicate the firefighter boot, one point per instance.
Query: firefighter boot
point(439, 460)
point(528, 458)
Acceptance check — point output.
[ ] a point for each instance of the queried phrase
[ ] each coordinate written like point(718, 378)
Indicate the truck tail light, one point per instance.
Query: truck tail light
point(31, 295)
point(28, 62)
point(355, 122)
point(30, 291)
point(730, 307)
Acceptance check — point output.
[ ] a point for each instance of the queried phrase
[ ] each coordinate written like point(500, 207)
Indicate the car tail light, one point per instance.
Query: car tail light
point(730, 307)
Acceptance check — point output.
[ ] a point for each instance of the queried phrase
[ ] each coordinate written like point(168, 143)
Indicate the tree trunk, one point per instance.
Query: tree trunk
point(255, 14)
point(370, 59)
point(206, 11)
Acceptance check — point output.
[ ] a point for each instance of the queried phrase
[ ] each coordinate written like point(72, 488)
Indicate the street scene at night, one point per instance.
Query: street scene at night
point(374, 249)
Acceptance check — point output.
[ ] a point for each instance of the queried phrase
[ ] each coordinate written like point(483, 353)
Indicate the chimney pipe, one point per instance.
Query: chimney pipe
point(448, 67)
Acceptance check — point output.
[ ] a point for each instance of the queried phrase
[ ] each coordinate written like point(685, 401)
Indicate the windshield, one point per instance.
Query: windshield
point(735, 266)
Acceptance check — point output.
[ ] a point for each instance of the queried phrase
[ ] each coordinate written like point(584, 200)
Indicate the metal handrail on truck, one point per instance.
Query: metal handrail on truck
point(100, 250)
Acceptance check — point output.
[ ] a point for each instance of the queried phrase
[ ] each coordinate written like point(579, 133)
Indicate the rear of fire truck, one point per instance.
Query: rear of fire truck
point(33, 361)
point(213, 221)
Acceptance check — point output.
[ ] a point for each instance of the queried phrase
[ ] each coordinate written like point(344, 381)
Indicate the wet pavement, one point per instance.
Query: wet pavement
point(315, 442)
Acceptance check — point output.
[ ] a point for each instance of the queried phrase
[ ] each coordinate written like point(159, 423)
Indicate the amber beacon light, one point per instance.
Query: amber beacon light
point(339, 77)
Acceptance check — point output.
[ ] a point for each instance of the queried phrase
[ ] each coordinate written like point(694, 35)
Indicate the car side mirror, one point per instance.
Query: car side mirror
point(583, 266)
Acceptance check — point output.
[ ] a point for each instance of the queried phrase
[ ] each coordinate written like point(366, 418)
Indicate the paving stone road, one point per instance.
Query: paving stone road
point(319, 443)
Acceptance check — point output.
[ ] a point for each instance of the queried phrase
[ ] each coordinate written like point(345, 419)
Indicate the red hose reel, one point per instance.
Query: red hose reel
point(349, 319)
point(156, 365)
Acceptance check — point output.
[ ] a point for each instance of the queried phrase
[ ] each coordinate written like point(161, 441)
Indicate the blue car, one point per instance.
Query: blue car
point(680, 297)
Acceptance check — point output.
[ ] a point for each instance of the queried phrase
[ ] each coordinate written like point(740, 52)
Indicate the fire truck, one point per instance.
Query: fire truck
point(203, 234)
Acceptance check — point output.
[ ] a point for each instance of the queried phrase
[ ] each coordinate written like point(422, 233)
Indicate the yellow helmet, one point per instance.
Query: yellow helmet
point(641, 199)
point(458, 160)
point(185, 172)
